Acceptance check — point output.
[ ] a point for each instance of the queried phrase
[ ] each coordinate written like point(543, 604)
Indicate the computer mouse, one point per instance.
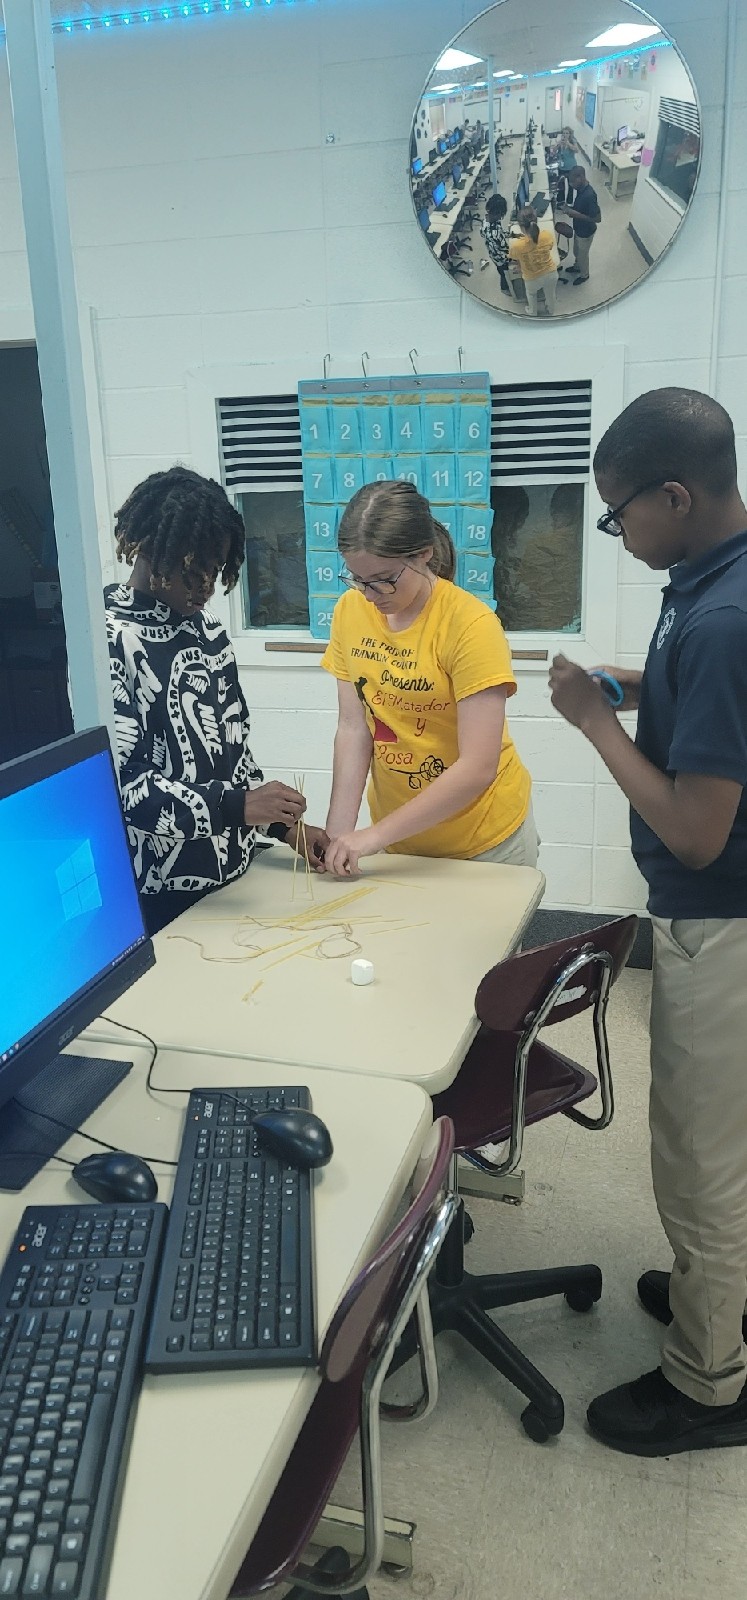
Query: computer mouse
point(298, 1137)
point(116, 1176)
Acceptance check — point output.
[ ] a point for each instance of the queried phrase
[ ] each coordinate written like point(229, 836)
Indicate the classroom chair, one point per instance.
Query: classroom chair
point(391, 1291)
point(511, 1078)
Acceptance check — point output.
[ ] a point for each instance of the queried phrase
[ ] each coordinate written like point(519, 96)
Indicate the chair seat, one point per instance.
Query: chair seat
point(480, 1099)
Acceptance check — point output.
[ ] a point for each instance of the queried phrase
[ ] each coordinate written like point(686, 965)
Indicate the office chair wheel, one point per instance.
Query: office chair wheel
point(540, 1427)
point(469, 1227)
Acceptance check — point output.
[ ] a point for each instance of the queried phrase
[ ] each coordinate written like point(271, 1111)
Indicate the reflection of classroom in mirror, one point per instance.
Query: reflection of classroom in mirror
point(616, 142)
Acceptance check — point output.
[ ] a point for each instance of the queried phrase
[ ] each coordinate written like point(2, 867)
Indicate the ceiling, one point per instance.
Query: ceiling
point(532, 36)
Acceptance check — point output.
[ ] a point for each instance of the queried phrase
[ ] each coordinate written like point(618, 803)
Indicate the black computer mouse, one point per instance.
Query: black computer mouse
point(116, 1176)
point(298, 1137)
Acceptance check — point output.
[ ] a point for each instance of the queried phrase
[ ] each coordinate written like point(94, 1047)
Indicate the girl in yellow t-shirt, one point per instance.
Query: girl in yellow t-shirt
point(424, 672)
point(534, 252)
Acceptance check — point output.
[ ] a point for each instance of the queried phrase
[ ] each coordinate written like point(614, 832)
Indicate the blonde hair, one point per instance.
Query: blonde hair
point(390, 518)
point(528, 221)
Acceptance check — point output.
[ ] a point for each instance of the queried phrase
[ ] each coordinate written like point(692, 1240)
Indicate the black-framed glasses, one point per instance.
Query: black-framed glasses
point(610, 522)
point(375, 585)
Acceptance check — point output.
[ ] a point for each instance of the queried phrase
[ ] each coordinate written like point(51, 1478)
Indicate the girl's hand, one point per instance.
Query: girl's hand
point(315, 841)
point(341, 857)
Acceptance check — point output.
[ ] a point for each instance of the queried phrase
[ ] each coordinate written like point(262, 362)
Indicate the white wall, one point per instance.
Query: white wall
point(214, 225)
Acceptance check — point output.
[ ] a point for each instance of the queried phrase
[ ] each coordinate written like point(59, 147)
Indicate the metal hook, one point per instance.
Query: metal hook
point(460, 353)
point(412, 353)
point(326, 359)
point(364, 358)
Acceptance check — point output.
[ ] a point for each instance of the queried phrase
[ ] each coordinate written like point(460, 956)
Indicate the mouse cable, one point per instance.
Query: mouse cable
point(90, 1137)
point(154, 1089)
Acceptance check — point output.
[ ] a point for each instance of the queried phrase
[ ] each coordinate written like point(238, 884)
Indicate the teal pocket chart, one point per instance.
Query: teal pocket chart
point(433, 431)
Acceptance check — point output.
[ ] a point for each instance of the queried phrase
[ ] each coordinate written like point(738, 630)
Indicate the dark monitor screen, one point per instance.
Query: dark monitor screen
point(439, 194)
point(424, 219)
point(522, 193)
point(72, 938)
point(417, 166)
point(623, 133)
point(456, 172)
point(457, 135)
point(432, 153)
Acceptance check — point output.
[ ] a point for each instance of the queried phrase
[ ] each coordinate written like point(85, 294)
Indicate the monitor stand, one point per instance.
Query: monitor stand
point(71, 1088)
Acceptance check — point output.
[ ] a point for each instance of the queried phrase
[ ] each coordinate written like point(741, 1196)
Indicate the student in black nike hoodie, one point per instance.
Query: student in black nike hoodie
point(192, 793)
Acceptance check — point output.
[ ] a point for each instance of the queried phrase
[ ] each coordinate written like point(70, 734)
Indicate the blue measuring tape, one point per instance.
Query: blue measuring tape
point(611, 689)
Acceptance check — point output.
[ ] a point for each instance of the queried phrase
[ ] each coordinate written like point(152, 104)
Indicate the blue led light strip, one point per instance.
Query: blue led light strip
point(161, 11)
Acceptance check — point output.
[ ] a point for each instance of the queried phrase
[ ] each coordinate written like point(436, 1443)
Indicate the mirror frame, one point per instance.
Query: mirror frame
point(586, 311)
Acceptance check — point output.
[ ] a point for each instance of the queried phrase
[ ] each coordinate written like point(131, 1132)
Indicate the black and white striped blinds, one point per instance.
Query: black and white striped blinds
point(680, 113)
point(539, 430)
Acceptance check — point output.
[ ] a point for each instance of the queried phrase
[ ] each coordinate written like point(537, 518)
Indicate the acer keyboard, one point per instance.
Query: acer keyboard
point(235, 1287)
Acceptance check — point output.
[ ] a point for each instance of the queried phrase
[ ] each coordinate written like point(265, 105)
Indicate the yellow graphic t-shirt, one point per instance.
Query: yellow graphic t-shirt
point(409, 684)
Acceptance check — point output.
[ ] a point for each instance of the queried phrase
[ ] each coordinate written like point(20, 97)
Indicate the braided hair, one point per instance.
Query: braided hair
point(182, 523)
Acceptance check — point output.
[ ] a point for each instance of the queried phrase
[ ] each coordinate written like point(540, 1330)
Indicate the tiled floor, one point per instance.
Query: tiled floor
point(500, 1516)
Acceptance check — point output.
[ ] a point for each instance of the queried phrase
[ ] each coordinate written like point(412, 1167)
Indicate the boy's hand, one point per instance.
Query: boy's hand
point(576, 696)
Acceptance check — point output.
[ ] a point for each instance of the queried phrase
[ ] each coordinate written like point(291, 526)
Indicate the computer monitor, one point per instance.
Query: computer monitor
point(417, 166)
point(424, 219)
point(590, 108)
point(432, 154)
point(441, 146)
point(72, 940)
point(623, 133)
point(439, 194)
point(522, 193)
point(456, 172)
point(458, 135)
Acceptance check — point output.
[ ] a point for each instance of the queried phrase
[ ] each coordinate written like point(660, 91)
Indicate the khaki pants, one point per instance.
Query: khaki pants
point(581, 249)
point(519, 849)
point(698, 1116)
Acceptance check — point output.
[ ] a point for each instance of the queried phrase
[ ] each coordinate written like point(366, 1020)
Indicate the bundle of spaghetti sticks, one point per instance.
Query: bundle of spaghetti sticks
point(299, 780)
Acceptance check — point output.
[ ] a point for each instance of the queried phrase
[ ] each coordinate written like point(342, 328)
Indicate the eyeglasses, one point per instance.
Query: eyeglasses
point(376, 585)
point(610, 522)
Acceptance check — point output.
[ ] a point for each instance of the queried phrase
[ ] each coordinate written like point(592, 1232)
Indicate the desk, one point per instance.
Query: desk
point(208, 1449)
point(442, 223)
point(623, 170)
point(431, 928)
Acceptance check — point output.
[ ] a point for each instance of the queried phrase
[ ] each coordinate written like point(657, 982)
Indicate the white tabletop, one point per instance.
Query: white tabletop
point(432, 929)
point(208, 1449)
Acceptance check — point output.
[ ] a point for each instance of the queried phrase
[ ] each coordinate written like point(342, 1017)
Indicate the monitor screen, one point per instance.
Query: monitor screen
point(432, 153)
point(423, 219)
point(456, 172)
point(457, 135)
point(623, 133)
point(417, 166)
point(441, 145)
point(590, 108)
point(72, 937)
point(522, 193)
point(439, 194)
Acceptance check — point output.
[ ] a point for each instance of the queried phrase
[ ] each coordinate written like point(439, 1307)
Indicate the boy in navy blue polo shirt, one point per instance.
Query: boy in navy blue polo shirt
point(667, 468)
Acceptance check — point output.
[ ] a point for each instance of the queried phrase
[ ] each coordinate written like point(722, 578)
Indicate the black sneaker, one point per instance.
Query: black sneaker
point(577, 281)
point(652, 1418)
point(653, 1293)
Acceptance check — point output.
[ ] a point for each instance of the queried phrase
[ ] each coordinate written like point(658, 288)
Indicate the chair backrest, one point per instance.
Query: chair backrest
point(511, 994)
point(366, 1312)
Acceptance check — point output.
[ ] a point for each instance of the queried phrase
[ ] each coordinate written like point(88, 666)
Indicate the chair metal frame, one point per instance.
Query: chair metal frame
point(533, 1025)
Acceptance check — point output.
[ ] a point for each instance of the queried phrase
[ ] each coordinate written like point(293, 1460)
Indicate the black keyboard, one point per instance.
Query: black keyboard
point(74, 1300)
point(540, 203)
point(235, 1287)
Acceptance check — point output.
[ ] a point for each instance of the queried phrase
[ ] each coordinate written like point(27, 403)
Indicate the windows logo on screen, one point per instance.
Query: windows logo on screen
point(78, 883)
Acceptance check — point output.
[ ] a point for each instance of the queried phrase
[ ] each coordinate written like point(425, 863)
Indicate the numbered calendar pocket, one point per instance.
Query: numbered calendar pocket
point(407, 432)
point(440, 478)
point(409, 469)
point(323, 573)
point(475, 525)
point(473, 428)
point(438, 426)
point(321, 607)
point(378, 469)
point(318, 483)
point(348, 477)
point(473, 478)
point(376, 429)
point(321, 528)
point(315, 429)
point(475, 574)
point(346, 430)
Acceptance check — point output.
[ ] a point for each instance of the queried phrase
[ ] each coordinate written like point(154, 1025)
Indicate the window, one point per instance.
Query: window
point(540, 448)
point(78, 883)
point(677, 153)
